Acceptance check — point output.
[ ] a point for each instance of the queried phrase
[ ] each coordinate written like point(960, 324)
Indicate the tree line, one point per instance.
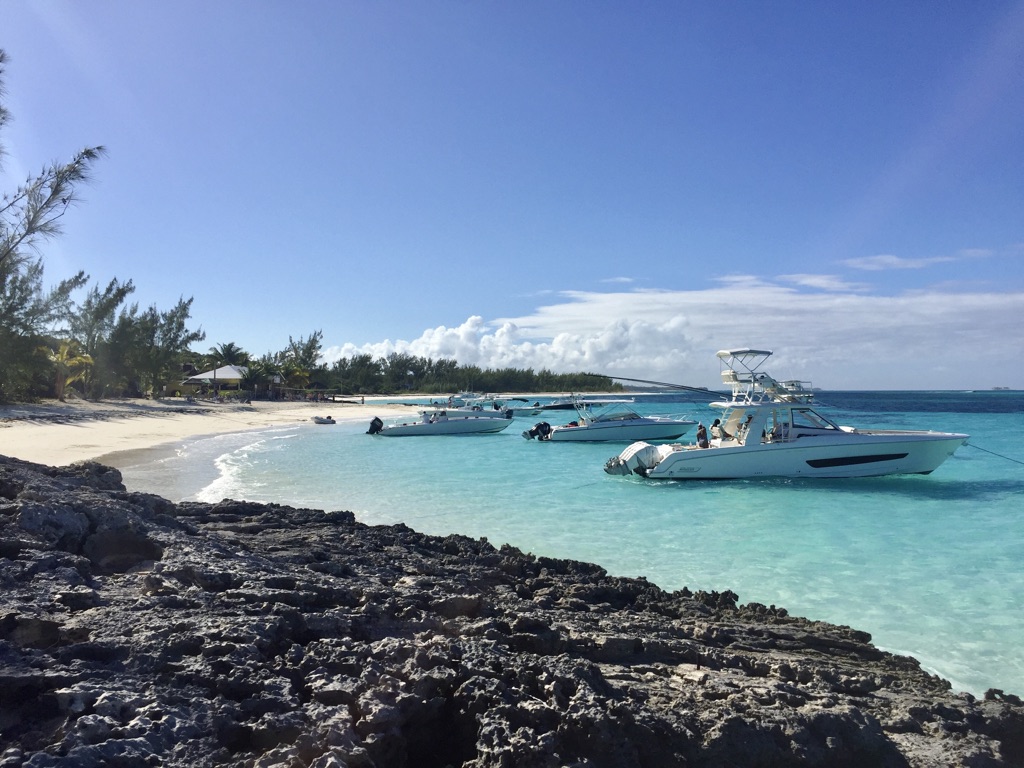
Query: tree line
point(87, 337)
point(300, 369)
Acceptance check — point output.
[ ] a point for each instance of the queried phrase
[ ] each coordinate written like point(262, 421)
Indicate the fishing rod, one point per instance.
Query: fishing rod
point(699, 390)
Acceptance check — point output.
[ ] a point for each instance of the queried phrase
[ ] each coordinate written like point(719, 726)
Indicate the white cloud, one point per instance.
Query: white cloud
point(835, 338)
point(888, 261)
point(823, 282)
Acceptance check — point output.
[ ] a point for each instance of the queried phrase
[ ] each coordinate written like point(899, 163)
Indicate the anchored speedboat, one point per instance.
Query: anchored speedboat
point(613, 422)
point(444, 422)
point(770, 429)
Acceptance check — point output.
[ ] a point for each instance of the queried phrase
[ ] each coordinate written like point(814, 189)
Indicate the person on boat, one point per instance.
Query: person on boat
point(702, 437)
point(741, 433)
point(718, 430)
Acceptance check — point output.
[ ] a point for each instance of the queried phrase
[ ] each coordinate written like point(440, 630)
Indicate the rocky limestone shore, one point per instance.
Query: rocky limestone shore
point(135, 631)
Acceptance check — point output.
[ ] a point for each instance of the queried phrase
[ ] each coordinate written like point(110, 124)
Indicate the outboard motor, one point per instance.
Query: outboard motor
point(375, 426)
point(541, 431)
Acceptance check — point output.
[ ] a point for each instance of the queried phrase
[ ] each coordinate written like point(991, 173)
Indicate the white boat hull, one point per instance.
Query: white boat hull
point(650, 429)
point(848, 454)
point(453, 425)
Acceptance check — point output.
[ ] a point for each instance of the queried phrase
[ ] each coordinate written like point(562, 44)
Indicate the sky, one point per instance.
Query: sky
point(620, 188)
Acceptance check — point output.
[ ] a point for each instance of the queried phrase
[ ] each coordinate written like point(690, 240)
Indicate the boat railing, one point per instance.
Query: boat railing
point(760, 387)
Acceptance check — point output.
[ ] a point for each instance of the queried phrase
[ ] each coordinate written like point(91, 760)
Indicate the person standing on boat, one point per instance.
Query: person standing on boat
point(702, 437)
point(741, 433)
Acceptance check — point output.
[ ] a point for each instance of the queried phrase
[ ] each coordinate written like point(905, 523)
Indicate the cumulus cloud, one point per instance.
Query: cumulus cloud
point(838, 338)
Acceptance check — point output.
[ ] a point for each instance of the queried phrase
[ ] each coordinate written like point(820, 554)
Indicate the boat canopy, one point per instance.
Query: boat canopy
point(745, 352)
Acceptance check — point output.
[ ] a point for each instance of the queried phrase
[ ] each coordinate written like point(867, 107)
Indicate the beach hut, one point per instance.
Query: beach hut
point(225, 377)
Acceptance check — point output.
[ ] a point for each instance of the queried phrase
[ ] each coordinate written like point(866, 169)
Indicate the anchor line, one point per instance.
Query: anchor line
point(1001, 456)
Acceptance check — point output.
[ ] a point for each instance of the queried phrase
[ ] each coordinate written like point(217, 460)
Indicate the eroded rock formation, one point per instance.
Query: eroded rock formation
point(134, 631)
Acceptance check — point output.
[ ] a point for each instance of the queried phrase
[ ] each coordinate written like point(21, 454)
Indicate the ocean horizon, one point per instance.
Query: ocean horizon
point(929, 565)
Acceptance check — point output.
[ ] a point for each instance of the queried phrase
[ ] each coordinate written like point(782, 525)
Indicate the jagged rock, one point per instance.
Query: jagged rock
point(134, 631)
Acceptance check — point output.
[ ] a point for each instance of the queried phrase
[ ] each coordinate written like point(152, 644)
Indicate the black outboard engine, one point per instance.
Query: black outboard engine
point(541, 431)
point(375, 426)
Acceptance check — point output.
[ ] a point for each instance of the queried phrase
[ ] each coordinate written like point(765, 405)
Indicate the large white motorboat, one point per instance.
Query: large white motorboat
point(769, 429)
point(613, 422)
point(443, 422)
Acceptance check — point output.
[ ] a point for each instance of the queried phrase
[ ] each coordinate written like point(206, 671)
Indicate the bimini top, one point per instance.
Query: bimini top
point(744, 353)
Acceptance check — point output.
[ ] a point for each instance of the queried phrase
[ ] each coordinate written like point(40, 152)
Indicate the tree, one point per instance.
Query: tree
point(91, 326)
point(69, 364)
point(228, 353)
point(257, 375)
point(26, 313)
point(305, 352)
point(161, 341)
point(29, 215)
point(295, 376)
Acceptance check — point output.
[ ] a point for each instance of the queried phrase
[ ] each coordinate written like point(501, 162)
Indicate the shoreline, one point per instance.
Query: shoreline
point(59, 434)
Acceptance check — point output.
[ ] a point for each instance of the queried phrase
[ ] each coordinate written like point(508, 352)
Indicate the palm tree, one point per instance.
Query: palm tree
point(70, 364)
point(228, 353)
point(295, 376)
point(256, 374)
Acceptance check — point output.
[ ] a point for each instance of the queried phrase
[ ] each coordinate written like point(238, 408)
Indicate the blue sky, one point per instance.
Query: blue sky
point(623, 188)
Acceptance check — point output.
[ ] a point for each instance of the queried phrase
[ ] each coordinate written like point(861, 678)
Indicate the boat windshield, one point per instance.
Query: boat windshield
point(614, 413)
point(805, 417)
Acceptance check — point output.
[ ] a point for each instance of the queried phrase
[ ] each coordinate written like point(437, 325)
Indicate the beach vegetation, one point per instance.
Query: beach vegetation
point(165, 339)
point(91, 325)
point(258, 378)
point(70, 364)
point(227, 353)
point(30, 214)
point(304, 353)
point(404, 373)
point(46, 338)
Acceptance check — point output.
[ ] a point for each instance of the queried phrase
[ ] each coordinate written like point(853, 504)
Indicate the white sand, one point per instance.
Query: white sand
point(58, 434)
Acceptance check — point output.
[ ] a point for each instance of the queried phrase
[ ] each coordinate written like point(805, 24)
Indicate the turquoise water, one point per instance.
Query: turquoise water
point(932, 566)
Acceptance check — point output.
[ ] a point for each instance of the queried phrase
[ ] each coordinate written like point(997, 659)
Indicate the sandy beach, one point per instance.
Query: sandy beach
point(58, 434)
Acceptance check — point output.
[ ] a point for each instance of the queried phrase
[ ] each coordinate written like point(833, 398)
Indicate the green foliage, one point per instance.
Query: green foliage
point(163, 341)
point(304, 353)
point(30, 315)
point(70, 364)
point(91, 325)
point(257, 380)
point(227, 354)
point(398, 373)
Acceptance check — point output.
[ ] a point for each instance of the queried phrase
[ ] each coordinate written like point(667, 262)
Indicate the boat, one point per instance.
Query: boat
point(323, 420)
point(443, 422)
point(616, 422)
point(573, 401)
point(768, 431)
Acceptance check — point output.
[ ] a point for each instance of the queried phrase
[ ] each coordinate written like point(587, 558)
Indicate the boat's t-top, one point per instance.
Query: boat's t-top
point(750, 385)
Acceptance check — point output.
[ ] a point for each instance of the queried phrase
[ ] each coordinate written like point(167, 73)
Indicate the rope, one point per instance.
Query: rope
point(1001, 456)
